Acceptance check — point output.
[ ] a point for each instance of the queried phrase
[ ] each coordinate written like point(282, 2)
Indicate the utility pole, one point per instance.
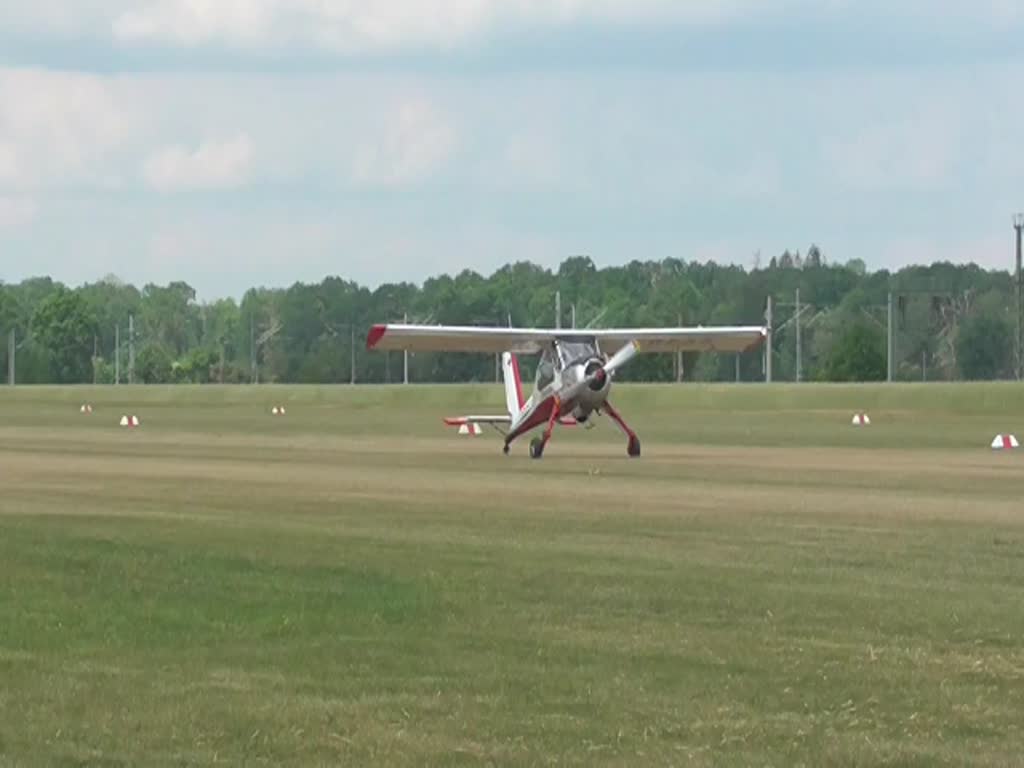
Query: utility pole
point(497, 355)
point(11, 350)
point(405, 356)
point(890, 351)
point(768, 345)
point(799, 342)
point(680, 370)
point(574, 317)
point(117, 354)
point(131, 349)
point(558, 309)
point(95, 355)
point(352, 354)
point(252, 350)
point(1018, 225)
point(737, 367)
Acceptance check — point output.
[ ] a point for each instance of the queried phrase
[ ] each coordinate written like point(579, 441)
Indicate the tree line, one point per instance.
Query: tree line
point(950, 321)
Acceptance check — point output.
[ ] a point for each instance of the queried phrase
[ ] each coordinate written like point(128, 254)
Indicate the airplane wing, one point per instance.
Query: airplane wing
point(458, 338)
point(710, 339)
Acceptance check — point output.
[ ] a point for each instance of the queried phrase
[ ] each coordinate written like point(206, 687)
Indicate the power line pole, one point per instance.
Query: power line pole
point(890, 351)
point(405, 356)
point(11, 350)
point(252, 350)
point(131, 349)
point(680, 370)
point(117, 354)
point(352, 354)
point(558, 309)
point(768, 345)
point(1018, 225)
point(497, 355)
point(799, 342)
point(574, 317)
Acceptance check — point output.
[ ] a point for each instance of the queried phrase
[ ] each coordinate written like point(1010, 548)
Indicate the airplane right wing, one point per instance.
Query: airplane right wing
point(458, 338)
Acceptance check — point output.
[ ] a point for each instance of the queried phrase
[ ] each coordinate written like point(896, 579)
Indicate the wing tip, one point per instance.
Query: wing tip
point(375, 335)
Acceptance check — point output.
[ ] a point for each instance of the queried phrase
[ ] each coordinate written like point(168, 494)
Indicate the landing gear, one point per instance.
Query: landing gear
point(538, 444)
point(504, 449)
point(536, 448)
point(633, 444)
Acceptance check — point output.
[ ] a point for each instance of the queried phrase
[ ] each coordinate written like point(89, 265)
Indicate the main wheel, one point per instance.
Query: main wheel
point(536, 448)
point(504, 449)
point(633, 449)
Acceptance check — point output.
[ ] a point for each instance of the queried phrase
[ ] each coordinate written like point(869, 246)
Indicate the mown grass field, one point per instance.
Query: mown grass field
point(353, 585)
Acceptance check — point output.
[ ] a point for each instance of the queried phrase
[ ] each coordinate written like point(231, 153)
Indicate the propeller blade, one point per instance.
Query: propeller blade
point(620, 358)
point(615, 362)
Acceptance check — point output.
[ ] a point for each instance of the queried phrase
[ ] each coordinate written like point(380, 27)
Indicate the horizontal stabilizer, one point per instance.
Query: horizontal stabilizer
point(458, 421)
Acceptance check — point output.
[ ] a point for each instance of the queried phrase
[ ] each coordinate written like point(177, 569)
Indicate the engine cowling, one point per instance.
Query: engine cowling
point(598, 384)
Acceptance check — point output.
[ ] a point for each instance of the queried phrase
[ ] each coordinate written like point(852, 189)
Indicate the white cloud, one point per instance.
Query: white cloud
point(360, 26)
point(16, 212)
point(59, 127)
point(384, 26)
point(916, 152)
point(415, 141)
point(211, 165)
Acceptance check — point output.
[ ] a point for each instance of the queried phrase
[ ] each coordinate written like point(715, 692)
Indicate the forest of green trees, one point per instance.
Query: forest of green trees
point(951, 321)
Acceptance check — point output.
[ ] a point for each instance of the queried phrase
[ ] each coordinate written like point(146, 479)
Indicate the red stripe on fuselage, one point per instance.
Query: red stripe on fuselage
point(540, 415)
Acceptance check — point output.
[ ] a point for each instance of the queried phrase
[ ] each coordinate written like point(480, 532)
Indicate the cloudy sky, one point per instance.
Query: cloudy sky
point(258, 142)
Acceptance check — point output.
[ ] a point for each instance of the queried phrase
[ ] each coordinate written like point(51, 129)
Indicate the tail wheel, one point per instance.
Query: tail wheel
point(634, 447)
point(536, 448)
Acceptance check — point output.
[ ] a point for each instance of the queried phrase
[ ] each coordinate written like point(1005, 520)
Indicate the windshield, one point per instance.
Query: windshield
point(570, 352)
point(545, 370)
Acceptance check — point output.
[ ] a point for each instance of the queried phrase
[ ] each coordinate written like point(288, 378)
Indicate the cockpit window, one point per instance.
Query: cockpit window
point(570, 352)
point(545, 370)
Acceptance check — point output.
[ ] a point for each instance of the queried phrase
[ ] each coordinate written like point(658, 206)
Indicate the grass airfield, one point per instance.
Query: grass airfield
point(353, 584)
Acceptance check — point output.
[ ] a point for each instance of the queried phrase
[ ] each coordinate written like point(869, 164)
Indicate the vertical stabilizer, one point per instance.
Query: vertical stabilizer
point(514, 399)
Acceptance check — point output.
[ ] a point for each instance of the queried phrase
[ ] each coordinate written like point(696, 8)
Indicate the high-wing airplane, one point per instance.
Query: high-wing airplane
point(574, 375)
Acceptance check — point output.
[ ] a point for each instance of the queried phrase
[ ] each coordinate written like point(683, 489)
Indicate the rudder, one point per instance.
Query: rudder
point(514, 399)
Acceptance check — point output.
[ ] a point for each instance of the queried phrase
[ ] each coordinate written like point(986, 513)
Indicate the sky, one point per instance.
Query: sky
point(237, 143)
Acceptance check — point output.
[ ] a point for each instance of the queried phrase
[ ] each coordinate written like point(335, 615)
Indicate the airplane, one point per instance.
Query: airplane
point(574, 375)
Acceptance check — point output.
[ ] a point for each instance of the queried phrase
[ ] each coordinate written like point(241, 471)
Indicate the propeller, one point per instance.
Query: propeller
point(596, 379)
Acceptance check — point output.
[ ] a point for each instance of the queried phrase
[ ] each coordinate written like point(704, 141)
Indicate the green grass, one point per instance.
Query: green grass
point(352, 584)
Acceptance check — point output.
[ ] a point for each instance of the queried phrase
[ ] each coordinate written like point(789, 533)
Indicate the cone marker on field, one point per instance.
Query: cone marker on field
point(86, 408)
point(861, 419)
point(1004, 443)
point(470, 429)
